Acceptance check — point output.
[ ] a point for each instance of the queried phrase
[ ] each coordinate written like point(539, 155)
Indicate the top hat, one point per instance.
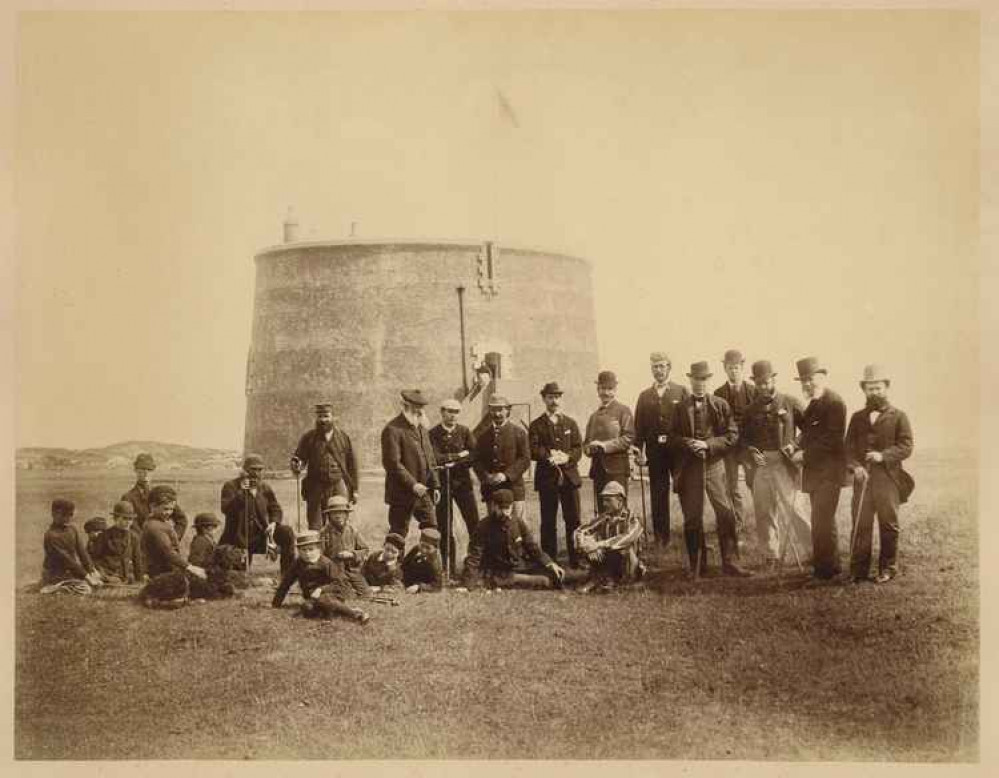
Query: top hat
point(414, 397)
point(124, 508)
point(606, 378)
point(763, 370)
point(145, 462)
point(808, 367)
point(733, 357)
point(337, 503)
point(699, 370)
point(873, 373)
point(551, 387)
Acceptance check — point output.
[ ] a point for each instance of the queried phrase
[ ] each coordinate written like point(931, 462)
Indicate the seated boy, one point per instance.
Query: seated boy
point(343, 545)
point(169, 572)
point(609, 542)
point(422, 569)
point(66, 558)
point(95, 529)
point(324, 584)
point(383, 571)
point(118, 558)
point(203, 542)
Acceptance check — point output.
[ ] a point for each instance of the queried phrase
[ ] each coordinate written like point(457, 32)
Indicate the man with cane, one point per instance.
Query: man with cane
point(453, 445)
point(412, 487)
point(878, 439)
point(253, 516)
point(327, 456)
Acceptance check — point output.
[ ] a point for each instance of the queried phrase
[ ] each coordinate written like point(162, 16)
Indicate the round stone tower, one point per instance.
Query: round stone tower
point(353, 322)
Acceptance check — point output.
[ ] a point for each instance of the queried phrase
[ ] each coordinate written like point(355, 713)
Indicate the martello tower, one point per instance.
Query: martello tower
point(353, 322)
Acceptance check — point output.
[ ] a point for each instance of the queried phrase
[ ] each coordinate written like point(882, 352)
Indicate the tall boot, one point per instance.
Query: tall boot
point(729, 553)
point(693, 540)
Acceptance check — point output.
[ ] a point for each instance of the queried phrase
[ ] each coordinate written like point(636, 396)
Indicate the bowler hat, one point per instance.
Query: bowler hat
point(206, 520)
point(451, 405)
point(253, 460)
point(145, 462)
point(161, 494)
point(337, 503)
point(397, 540)
point(414, 397)
point(808, 367)
point(502, 497)
point(699, 370)
point(308, 538)
point(659, 356)
point(124, 509)
point(551, 387)
point(606, 378)
point(763, 370)
point(613, 488)
point(430, 535)
point(59, 505)
point(498, 401)
point(323, 407)
point(874, 373)
point(733, 357)
point(96, 524)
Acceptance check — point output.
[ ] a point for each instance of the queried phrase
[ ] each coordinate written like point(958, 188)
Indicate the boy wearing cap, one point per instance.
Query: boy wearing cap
point(453, 446)
point(653, 420)
point(769, 425)
point(503, 551)
point(738, 393)
point(324, 586)
point(384, 570)
point(66, 557)
point(878, 440)
point(823, 458)
point(343, 544)
point(422, 570)
point(118, 561)
point(327, 455)
point(411, 483)
point(610, 432)
point(203, 543)
point(503, 455)
point(609, 542)
point(95, 529)
point(557, 445)
point(167, 569)
point(138, 495)
point(251, 507)
point(703, 433)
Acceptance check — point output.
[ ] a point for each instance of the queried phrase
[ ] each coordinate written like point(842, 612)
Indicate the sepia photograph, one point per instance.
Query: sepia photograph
point(550, 384)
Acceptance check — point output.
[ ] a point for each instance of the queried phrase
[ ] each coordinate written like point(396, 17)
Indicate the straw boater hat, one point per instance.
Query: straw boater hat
point(308, 538)
point(338, 503)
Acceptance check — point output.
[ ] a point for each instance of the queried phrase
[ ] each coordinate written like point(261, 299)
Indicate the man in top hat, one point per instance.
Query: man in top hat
point(453, 446)
point(703, 433)
point(824, 463)
point(411, 482)
point(878, 439)
point(138, 495)
point(653, 419)
point(738, 393)
point(610, 431)
point(502, 455)
point(253, 516)
point(556, 445)
point(327, 455)
point(769, 425)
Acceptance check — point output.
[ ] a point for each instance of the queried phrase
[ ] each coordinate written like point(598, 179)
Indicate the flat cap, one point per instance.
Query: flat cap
point(308, 538)
point(430, 535)
point(123, 508)
point(161, 494)
point(414, 397)
point(502, 498)
point(397, 540)
point(323, 407)
point(498, 401)
point(613, 488)
point(451, 405)
point(59, 505)
point(96, 524)
point(253, 460)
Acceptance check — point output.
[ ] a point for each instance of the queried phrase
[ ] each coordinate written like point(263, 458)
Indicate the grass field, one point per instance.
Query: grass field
point(722, 669)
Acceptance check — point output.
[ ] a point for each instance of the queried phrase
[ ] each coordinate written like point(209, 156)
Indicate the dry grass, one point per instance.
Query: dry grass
point(763, 669)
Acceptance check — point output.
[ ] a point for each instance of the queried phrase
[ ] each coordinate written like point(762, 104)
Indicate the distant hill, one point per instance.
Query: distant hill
point(168, 456)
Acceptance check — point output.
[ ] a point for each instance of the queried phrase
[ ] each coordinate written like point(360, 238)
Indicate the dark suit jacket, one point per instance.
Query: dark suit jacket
point(737, 400)
point(342, 450)
point(505, 451)
point(139, 497)
point(822, 427)
point(446, 447)
point(891, 435)
point(545, 438)
point(722, 435)
point(654, 417)
point(265, 509)
point(408, 459)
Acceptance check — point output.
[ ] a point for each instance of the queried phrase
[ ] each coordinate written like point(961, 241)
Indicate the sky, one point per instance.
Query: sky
point(786, 183)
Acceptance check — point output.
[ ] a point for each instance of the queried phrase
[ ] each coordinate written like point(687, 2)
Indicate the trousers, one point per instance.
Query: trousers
point(316, 500)
point(881, 499)
point(550, 499)
point(464, 498)
point(773, 500)
point(825, 538)
point(421, 508)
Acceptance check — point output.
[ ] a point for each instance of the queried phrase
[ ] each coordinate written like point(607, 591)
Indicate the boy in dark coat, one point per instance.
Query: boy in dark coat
point(168, 571)
point(118, 557)
point(324, 586)
point(95, 529)
point(203, 543)
point(383, 570)
point(66, 556)
point(343, 545)
point(422, 569)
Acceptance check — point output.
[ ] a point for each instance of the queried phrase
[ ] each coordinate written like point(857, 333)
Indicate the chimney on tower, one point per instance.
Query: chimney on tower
point(290, 227)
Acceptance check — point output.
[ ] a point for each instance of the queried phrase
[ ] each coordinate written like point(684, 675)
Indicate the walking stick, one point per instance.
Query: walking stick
point(450, 528)
point(298, 503)
point(641, 484)
point(246, 528)
point(700, 534)
point(856, 518)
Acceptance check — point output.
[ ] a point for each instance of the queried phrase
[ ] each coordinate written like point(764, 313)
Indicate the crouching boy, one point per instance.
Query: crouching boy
point(324, 584)
point(423, 569)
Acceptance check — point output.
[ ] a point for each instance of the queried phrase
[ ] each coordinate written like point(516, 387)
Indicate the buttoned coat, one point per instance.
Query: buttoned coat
point(543, 438)
point(615, 426)
point(891, 435)
point(447, 445)
point(823, 427)
point(266, 509)
point(341, 449)
point(502, 450)
point(723, 435)
point(654, 417)
point(408, 459)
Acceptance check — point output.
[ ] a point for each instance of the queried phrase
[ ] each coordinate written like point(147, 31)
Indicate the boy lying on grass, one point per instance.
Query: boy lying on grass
point(382, 570)
point(324, 584)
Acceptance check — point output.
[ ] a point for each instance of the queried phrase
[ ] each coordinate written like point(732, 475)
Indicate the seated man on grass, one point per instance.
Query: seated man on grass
point(609, 542)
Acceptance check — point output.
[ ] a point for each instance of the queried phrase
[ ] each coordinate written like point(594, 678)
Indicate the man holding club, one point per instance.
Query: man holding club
point(878, 439)
point(327, 456)
point(610, 432)
point(453, 445)
point(411, 483)
point(703, 432)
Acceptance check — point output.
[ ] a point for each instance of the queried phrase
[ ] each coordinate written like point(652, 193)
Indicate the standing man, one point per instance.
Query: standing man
point(703, 433)
point(556, 445)
point(878, 439)
point(610, 432)
point(738, 394)
point(653, 420)
point(138, 495)
point(411, 483)
point(253, 516)
point(453, 445)
point(824, 461)
point(768, 433)
point(502, 455)
point(327, 456)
